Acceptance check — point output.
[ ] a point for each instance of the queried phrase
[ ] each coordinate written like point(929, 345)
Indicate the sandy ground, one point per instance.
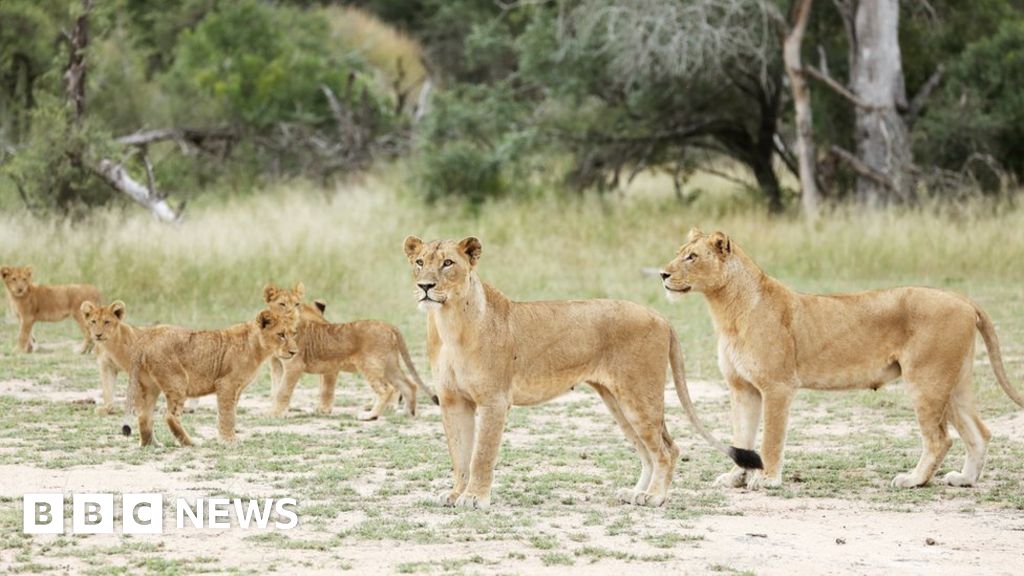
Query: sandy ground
point(768, 535)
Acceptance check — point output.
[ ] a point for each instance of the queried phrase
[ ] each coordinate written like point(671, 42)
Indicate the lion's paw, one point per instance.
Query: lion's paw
point(957, 479)
point(323, 411)
point(472, 501)
point(448, 498)
point(732, 479)
point(366, 416)
point(649, 500)
point(760, 481)
point(906, 481)
point(626, 495)
point(105, 410)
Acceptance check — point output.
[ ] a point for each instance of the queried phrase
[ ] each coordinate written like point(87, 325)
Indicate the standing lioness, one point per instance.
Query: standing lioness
point(772, 341)
point(488, 353)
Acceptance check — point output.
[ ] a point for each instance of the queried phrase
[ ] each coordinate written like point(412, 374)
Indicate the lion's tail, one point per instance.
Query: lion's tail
point(407, 359)
point(988, 334)
point(748, 459)
point(129, 397)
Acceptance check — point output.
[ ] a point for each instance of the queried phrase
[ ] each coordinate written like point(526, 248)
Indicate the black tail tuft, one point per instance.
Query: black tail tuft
point(126, 430)
point(437, 401)
point(746, 459)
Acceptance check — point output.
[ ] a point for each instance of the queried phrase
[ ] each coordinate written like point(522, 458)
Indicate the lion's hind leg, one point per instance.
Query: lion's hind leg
point(626, 495)
point(931, 417)
point(385, 395)
point(175, 406)
point(963, 413)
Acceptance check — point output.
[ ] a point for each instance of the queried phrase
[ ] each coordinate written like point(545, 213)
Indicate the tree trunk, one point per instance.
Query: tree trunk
point(74, 76)
point(883, 143)
point(810, 198)
point(764, 172)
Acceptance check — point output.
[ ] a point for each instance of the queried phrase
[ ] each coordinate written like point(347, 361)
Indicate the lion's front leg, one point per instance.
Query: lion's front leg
point(485, 455)
point(25, 336)
point(745, 407)
point(776, 404)
point(459, 417)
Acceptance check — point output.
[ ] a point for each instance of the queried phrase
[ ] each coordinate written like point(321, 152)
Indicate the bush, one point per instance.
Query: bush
point(980, 109)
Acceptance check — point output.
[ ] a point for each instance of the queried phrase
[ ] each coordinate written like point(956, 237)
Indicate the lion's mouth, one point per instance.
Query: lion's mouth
point(682, 290)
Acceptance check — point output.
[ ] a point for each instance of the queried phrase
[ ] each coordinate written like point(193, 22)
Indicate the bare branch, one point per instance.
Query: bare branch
point(193, 136)
point(862, 168)
point(836, 87)
point(921, 98)
point(115, 175)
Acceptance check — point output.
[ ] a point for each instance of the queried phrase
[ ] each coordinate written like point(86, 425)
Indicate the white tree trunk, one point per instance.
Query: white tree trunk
point(883, 144)
point(805, 154)
point(115, 175)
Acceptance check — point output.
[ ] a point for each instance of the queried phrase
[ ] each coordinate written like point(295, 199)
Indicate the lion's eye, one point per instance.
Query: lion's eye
point(447, 263)
point(106, 322)
point(691, 257)
point(419, 262)
point(281, 335)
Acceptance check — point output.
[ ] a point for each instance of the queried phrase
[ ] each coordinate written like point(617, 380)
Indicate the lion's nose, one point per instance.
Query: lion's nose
point(426, 286)
point(665, 275)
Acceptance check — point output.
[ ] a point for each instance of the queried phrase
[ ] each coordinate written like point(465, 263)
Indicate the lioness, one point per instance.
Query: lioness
point(773, 341)
point(184, 364)
point(374, 349)
point(488, 353)
point(39, 303)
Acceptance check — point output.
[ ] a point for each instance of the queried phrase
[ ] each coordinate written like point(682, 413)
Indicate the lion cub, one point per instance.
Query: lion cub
point(773, 341)
point(183, 363)
point(37, 303)
point(374, 349)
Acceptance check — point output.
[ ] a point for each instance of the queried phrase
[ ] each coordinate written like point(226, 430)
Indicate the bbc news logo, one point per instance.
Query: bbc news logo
point(144, 513)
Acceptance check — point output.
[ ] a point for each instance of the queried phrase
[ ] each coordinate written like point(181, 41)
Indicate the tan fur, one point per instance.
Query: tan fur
point(115, 340)
point(488, 353)
point(368, 347)
point(285, 301)
point(183, 363)
point(773, 341)
point(39, 303)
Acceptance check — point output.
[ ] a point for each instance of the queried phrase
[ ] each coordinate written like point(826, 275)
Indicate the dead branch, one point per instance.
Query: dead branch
point(862, 168)
point(837, 87)
point(115, 175)
point(917, 103)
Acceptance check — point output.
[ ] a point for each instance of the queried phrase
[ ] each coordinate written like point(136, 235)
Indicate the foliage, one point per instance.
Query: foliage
point(979, 115)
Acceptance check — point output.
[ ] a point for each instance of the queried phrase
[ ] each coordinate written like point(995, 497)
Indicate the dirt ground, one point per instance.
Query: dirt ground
point(366, 491)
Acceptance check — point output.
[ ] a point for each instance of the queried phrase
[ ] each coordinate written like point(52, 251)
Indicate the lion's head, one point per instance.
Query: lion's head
point(699, 265)
point(103, 321)
point(283, 300)
point(279, 332)
point(441, 269)
point(17, 280)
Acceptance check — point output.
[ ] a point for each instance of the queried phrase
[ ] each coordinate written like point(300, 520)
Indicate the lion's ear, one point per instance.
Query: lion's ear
point(320, 305)
point(472, 248)
point(300, 290)
point(28, 272)
point(87, 308)
point(720, 242)
point(265, 318)
point(412, 246)
point(119, 309)
point(269, 291)
point(693, 234)
point(5, 272)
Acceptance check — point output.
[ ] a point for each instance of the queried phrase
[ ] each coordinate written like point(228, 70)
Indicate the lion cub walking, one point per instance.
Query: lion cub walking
point(489, 353)
point(368, 347)
point(183, 363)
point(39, 303)
point(773, 341)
